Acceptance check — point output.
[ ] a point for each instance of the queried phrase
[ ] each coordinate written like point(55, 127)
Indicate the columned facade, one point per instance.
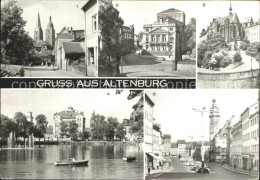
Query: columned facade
point(166, 36)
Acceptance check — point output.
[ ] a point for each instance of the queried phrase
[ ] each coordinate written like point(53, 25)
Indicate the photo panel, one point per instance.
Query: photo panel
point(195, 134)
point(49, 38)
point(76, 134)
point(228, 47)
point(147, 39)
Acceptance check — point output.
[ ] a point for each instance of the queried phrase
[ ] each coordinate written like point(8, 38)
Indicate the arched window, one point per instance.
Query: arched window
point(235, 32)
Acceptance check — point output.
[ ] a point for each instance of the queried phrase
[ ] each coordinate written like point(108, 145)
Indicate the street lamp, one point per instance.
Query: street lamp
point(191, 144)
point(202, 130)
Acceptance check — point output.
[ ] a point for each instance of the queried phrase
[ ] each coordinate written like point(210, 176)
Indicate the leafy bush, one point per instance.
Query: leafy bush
point(214, 44)
point(225, 61)
point(193, 54)
point(79, 65)
point(252, 49)
point(244, 44)
point(224, 52)
point(237, 57)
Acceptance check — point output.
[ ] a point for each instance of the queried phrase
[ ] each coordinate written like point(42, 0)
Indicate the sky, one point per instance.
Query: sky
point(48, 102)
point(145, 12)
point(173, 110)
point(215, 9)
point(63, 12)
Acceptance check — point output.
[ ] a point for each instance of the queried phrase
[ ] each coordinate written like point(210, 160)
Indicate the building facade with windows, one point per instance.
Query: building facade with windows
point(70, 114)
point(91, 43)
point(166, 145)
point(127, 38)
point(165, 37)
point(148, 136)
point(250, 138)
point(236, 145)
point(252, 30)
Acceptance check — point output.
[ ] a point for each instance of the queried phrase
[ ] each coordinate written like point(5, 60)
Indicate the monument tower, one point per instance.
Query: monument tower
point(50, 33)
point(214, 120)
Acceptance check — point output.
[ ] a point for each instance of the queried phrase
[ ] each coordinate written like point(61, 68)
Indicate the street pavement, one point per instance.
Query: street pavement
point(48, 72)
point(138, 66)
point(218, 172)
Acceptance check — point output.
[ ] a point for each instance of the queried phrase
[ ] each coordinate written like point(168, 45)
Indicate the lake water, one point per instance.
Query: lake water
point(105, 162)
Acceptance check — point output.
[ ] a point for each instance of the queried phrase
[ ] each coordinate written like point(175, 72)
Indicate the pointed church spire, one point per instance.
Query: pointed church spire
point(38, 24)
point(38, 34)
point(230, 8)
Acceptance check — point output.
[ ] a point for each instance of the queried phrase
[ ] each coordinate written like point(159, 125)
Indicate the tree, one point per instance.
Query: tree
point(7, 126)
point(15, 42)
point(21, 121)
point(136, 117)
point(216, 42)
point(253, 49)
point(86, 135)
point(244, 44)
point(206, 49)
point(63, 129)
point(109, 24)
point(110, 131)
point(120, 132)
point(73, 129)
point(202, 49)
point(98, 126)
point(41, 126)
point(111, 127)
point(190, 32)
point(197, 154)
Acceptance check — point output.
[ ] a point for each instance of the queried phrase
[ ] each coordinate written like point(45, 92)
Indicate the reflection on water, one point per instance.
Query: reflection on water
point(104, 162)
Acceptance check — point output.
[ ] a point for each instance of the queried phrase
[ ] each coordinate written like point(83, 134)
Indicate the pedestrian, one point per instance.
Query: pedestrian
point(149, 169)
point(235, 166)
point(249, 170)
point(222, 163)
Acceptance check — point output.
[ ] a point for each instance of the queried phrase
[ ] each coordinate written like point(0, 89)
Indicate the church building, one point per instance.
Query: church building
point(39, 43)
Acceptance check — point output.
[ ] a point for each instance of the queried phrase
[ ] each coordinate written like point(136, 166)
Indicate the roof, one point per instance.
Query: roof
point(247, 109)
point(206, 143)
point(159, 30)
point(257, 112)
point(68, 113)
point(50, 24)
point(181, 142)
point(248, 19)
point(88, 5)
point(149, 100)
point(64, 36)
point(72, 48)
point(167, 136)
point(174, 145)
point(231, 17)
point(171, 10)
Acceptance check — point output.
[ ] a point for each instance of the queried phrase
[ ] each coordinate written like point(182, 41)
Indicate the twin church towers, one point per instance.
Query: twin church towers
point(49, 32)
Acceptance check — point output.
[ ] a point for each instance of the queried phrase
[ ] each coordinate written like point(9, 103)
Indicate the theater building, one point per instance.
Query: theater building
point(165, 37)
